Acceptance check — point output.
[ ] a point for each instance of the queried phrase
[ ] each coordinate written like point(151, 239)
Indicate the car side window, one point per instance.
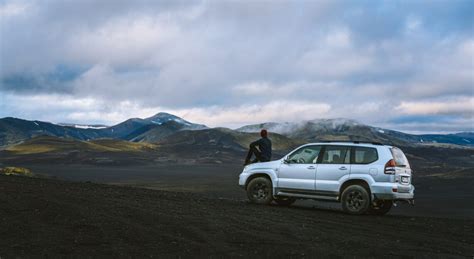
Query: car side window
point(305, 155)
point(336, 155)
point(365, 155)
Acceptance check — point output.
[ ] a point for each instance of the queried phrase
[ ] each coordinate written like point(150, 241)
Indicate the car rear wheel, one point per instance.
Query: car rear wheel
point(284, 201)
point(259, 190)
point(355, 200)
point(380, 208)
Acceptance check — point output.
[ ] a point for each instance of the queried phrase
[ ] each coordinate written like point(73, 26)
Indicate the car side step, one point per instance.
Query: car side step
point(309, 196)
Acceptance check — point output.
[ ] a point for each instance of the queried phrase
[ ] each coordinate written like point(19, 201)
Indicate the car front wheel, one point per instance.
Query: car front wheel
point(259, 190)
point(355, 200)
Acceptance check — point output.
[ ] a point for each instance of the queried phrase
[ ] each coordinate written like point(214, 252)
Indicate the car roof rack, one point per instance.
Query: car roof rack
point(353, 141)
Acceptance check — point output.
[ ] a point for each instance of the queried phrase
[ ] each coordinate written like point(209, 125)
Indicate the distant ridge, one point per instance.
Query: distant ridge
point(14, 130)
point(163, 125)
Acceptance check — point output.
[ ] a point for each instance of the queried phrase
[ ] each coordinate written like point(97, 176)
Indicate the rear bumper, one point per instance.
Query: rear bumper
point(395, 192)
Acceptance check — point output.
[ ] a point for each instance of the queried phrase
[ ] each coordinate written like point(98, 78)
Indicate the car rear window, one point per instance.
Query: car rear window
point(399, 157)
point(365, 155)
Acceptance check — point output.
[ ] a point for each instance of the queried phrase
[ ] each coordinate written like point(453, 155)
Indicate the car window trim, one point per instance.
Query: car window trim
point(352, 161)
point(321, 154)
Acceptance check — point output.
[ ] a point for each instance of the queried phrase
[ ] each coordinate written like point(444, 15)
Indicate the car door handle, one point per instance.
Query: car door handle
point(311, 167)
point(342, 168)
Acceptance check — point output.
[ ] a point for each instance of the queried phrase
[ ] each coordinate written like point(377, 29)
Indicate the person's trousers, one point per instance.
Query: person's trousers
point(257, 153)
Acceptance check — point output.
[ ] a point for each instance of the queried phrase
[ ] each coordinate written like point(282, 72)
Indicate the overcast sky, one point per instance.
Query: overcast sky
point(404, 65)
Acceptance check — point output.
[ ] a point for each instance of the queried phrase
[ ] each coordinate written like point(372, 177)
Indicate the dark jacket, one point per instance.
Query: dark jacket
point(265, 147)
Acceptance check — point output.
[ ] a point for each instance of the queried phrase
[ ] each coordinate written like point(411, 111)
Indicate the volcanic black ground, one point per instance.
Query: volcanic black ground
point(51, 218)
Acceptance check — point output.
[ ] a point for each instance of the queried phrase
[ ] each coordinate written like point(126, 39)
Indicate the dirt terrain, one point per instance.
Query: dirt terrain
point(181, 201)
point(446, 195)
point(46, 217)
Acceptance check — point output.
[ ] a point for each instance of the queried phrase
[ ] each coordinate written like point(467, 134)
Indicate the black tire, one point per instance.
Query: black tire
point(259, 191)
point(355, 200)
point(381, 208)
point(284, 201)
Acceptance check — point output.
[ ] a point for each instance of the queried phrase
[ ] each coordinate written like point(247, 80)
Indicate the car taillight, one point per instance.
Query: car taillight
point(390, 167)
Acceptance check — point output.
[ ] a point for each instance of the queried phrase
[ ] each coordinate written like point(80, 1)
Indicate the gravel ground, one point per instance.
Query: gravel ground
point(53, 218)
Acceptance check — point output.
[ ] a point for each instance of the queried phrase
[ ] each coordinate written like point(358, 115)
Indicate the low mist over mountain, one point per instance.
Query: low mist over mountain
point(350, 130)
point(160, 127)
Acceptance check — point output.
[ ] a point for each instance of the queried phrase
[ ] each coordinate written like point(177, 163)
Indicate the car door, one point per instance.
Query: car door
point(298, 171)
point(333, 165)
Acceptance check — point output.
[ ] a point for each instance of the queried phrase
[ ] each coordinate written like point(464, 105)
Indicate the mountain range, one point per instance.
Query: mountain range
point(13, 130)
point(168, 129)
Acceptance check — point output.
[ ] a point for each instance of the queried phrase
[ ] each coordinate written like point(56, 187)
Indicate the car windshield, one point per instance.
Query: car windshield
point(400, 158)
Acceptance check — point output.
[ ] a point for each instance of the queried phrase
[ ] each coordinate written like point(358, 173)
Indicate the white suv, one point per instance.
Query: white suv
point(364, 177)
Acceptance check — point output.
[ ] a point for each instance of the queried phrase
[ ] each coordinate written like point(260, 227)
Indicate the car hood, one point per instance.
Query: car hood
point(264, 165)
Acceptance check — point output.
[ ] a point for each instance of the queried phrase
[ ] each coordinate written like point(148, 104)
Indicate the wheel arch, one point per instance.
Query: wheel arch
point(355, 181)
point(256, 175)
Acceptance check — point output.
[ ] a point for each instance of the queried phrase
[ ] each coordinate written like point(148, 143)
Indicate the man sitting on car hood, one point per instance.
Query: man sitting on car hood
point(264, 151)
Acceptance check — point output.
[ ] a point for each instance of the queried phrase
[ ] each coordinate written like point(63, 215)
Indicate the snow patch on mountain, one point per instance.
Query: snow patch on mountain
point(164, 117)
point(83, 126)
point(89, 127)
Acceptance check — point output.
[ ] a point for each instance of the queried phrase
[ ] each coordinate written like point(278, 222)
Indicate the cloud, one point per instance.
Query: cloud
point(336, 56)
point(464, 106)
point(419, 124)
point(59, 108)
point(413, 24)
point(80, 110)
point(257, 113)
point(366, 61)
point(281, 90)
point(8, 10)
point(409, 117)
point(124, 42)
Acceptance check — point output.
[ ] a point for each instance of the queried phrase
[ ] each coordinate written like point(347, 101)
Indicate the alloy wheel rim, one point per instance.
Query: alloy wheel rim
point(260, 191)
point(355, 200)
